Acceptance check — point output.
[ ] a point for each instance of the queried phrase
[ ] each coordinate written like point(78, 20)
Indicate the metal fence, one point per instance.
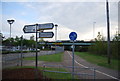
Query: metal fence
point(79, 73)
point(14, 59)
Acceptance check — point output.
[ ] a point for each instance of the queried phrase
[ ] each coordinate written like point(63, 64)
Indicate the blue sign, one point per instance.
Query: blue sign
point(73, 36)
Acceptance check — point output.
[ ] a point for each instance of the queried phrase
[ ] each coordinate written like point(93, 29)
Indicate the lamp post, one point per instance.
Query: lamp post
point(10, 22)
point(56, 36)
point(56, 32)
point(94, 30)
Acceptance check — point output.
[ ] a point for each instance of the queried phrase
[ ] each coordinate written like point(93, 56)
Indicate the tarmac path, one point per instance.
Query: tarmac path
point(101, 72)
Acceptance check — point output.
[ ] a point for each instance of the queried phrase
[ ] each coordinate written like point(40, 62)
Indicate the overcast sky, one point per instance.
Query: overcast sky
point(70, 16)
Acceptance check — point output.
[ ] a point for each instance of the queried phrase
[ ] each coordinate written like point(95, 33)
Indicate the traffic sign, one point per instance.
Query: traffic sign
point(32, 28)
point(46, 34)
point(45, 26)
point(73, 36)
point(39, 27)
point(29, 29)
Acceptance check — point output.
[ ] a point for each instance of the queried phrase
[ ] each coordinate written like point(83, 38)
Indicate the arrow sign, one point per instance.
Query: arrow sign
point(32, 28)
point(45, 26)
point(29, 29)
point(46, 34)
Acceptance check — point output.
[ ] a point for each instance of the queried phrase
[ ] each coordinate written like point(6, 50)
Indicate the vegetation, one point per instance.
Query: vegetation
point(100, 47)
point(49, 58)
point(98, 60)
point(51, 75)
point(17, 42)
point(26, 43)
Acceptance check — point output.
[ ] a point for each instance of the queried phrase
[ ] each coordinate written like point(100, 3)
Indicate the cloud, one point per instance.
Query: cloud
point(77, 17)
point(58, 0)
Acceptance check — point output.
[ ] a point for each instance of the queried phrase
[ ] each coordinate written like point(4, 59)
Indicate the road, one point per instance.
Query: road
point(101, 72)
point(14, 59)
point(8, 57)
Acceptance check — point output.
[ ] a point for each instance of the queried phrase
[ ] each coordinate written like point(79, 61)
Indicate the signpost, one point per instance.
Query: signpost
point(46, 34)
point(45, 26)
point(21, 50)
point(32, 28)
point(39, 27)
point(29, 29)
point(73, 37)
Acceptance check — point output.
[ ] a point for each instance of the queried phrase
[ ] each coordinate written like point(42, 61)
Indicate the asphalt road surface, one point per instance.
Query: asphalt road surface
point(14, 59)
point(8, 57)
point(101, 72)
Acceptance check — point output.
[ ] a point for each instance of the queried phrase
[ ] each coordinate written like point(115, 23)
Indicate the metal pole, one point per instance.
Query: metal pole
point(94, 74)
point(56, 32)
point(10, 38)
point(56, 37)
point(21, 48)
point(36, 72)
point(108, 33)
point(36, 48)
point(94, 30)
point(10, 30)
point(73, 61)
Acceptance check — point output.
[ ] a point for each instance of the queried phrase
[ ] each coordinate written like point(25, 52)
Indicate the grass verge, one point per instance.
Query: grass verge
point(50, 74)
point(48, 58)
point(98, 60)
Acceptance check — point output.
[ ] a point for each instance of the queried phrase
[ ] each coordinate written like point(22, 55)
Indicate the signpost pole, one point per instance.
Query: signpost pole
point(36, 48)
point(36, 73)
point(73, 61)
point(21, 49)
point(73, 37)
point(38, 27)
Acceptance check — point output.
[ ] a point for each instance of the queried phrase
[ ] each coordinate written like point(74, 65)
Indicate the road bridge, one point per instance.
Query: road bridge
point(68, 43)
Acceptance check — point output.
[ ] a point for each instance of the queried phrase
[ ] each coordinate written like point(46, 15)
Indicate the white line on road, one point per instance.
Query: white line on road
point(95, 70)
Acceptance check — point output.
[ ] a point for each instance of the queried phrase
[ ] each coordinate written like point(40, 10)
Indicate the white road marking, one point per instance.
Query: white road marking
point(95, 70)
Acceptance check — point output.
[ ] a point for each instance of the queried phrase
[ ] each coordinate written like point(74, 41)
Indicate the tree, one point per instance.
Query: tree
point(99, 37)
point(32, 37)
point(115, 44)
point(17, 41)
point(116, 37)
point(100, 46)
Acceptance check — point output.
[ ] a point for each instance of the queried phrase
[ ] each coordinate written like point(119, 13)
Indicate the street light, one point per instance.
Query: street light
point(94, 30)
point(56, 32)
point(10, 22)
point(56, 36)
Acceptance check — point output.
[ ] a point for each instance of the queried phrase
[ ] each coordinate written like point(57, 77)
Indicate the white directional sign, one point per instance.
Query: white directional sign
point(29, 29)
point(45, 26)
point(32, 28)
point(46, 34)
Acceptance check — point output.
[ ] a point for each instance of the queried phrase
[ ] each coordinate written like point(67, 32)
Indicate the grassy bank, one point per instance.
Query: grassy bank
point(51, 75)
point(98, 60)
point(49, 58)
